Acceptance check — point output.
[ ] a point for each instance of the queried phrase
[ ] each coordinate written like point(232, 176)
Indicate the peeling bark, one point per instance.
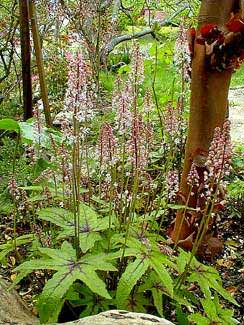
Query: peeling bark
point(208, 105)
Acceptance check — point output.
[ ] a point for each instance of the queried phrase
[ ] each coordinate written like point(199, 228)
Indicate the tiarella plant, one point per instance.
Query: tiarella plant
point(105, 183)
point(98, 207)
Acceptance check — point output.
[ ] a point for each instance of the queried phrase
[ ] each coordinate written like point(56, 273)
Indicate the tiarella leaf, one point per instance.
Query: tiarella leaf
point(179, 207)
point(209, 308)
point(199, 319)
point(88, 240)
point(163, 274)
point(149, 282)
point(5, 252)
point(133, 272)
point(181, 262)
point(59, 255)
point(224, 293)
point(102, 224)
point(136, 244)
point(53, 292)
point(158, 300)
point(10, 245)
point(153, 215)
point(99, 262)
point(195, 277)
point(207, 280)
point(88, 311)
point(58, 216)
point(87, 214)
point(37, 188)
point(163, 259)
point(39, 264)
point(181, 299)
point(126, 253)
point(94, 283)
point(9, 125)
point(67, 248)
point(181, 316)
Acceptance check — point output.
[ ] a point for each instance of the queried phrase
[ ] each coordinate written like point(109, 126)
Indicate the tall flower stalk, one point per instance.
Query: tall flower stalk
point(78, 103)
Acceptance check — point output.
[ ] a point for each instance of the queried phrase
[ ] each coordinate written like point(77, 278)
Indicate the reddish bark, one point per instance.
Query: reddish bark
point(208, 106)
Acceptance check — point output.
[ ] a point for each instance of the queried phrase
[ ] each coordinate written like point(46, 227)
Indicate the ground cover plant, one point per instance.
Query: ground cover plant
point(90, 184)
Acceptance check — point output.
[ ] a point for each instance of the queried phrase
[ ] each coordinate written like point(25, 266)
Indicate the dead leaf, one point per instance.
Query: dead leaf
point(225, 262)
point(13, 276)
point(232, 289)
point(12, 260)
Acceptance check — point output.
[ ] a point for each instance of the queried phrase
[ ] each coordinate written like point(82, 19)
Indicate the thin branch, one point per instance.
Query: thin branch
point(127, 37)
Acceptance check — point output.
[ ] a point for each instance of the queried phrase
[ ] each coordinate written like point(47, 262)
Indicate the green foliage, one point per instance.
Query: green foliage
point(128, 280)
point(205, 276)
point(9, 125)
point(90, 224)
point(68, 270)
point(120, 262)
point(12, 244)
point(213, 313)
point(237, 78)
point(81, 296)
point(12, 161)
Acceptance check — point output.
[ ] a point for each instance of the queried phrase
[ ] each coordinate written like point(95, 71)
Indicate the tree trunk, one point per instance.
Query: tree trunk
point(208, 105)
point(25, 58)
point(39, 62)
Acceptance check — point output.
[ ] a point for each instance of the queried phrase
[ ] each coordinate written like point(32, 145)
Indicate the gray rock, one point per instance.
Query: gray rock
point(13, 310)
point(121, 317)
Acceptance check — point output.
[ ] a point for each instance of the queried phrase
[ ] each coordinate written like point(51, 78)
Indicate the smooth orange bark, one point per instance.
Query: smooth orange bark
point(208, 106)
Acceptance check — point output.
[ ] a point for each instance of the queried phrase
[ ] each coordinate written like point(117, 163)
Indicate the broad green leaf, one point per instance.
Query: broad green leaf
point(180, 298)
point(89, 223)
point(94, 283)
point(28, 132)
point(181, 261)
point(125, 252)
point(209, 308)
point(133, 272)
point(41, 264)
point(9, 125)
point(163, 274)
point(199, 319)
point(65, 253)
point(51, 297)
point(204, 285)
point(181, 316)
point(58, 216)
point(68, 271)
point(158, 300)
point(6, 205)
point(100, 262)
point(224, 293)
point(10, 245)
point(208, 278)
point(163, 259)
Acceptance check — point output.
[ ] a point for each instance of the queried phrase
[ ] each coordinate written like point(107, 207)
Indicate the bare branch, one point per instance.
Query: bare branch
point(127, 37)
